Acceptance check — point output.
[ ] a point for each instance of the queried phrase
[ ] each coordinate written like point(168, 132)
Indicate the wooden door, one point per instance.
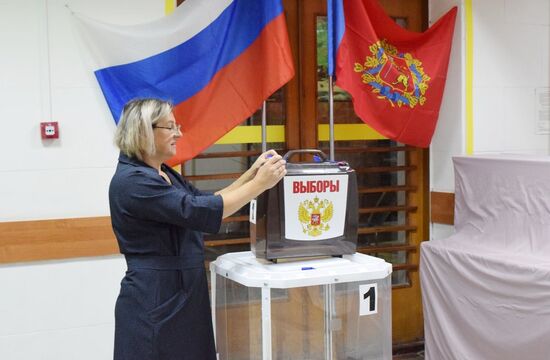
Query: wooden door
point(393, 179)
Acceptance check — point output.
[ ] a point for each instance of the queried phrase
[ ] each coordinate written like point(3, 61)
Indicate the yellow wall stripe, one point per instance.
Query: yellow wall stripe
point(469, 29)
point(276, 134)
point(253, 134)
point(169, 6)
point(346, 132)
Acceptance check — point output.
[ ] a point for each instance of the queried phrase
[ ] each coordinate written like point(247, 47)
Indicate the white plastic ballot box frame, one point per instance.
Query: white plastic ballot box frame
point(245, 269)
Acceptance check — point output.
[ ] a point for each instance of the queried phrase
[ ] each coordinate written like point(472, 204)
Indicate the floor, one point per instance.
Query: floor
point(410, 356)
point(409, 351)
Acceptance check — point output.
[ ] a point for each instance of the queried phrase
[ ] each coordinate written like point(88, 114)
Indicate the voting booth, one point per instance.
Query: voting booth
point(325, 308)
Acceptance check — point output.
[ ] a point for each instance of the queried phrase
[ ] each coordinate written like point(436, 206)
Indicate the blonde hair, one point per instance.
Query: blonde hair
point(134, 133)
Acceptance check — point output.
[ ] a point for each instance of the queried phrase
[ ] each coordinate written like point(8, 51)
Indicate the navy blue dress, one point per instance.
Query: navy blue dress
point(163, 309)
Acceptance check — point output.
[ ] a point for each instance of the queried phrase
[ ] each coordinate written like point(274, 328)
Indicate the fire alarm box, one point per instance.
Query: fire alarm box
point(49, 130)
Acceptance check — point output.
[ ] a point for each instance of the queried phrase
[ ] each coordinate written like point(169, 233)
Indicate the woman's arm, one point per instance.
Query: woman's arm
point(248, 174)
point(268, 173)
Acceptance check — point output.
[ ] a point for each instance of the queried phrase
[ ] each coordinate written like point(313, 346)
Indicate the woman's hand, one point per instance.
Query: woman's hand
point(270, 171)
point(250, 173)
point(260, 161)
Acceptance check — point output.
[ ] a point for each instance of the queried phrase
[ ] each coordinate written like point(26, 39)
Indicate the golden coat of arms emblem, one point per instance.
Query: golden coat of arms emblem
point(394, 76)
point(314, 216)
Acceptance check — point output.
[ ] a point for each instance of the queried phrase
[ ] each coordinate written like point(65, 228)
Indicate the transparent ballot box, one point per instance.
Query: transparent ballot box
point(325, 308)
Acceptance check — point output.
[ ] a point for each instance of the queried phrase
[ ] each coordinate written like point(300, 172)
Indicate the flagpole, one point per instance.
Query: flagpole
point(331, 118)
point(264, 127)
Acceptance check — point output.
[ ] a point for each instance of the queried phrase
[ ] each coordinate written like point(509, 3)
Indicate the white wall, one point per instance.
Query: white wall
point(448, 138)
point(59, 310)
point(56, 310)
point(511, 47)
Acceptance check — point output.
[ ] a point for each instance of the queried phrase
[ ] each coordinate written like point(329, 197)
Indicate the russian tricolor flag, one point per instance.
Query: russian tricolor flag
point(217, 61)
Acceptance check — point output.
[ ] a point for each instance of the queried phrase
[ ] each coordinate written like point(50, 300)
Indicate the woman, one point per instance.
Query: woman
point(163, 309)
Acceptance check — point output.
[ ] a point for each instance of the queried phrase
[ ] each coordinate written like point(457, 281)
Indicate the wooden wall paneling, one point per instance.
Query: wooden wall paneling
point(442, 206)
point(22, 241)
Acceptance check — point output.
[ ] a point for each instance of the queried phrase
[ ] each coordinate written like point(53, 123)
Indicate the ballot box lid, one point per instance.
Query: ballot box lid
point(246, 269)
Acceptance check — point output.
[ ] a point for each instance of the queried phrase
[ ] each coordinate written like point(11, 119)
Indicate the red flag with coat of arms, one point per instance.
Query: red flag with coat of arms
point(396, 77)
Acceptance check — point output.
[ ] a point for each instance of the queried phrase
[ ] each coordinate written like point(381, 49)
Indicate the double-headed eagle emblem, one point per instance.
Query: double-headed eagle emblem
point(393, 76)
point(315, 215)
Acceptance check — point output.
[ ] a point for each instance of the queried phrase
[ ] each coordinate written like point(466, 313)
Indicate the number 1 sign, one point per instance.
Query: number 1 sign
point(368, 301)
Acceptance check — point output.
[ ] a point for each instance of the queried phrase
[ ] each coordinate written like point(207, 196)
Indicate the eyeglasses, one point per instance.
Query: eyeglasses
point(174, 128)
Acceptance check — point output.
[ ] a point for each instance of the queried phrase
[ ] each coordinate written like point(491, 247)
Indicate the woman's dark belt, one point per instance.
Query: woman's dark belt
point(152, 262)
